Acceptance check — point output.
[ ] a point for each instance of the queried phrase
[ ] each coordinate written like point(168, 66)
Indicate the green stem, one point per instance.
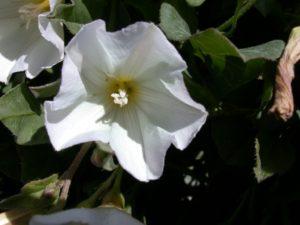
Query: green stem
point(103, 188)
point(117, 183)
point(232, 20)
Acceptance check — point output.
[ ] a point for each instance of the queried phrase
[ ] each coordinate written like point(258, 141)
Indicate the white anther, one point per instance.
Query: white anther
point(120, 98)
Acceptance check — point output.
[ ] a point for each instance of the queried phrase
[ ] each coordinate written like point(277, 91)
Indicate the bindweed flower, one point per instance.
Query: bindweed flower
point(99, 216)
point(29, 41)
point(126, 90)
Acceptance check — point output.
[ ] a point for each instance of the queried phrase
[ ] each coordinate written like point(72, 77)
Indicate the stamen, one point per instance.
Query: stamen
point(120, 98)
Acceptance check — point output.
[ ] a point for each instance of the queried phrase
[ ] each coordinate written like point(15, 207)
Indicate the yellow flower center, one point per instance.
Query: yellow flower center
point(32, 9)
point(122, 90)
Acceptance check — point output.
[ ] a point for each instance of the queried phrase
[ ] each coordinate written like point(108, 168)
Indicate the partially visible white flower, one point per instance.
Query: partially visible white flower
point(15, 216)
point(126, 90)
point(29, 41)
point(99, 216)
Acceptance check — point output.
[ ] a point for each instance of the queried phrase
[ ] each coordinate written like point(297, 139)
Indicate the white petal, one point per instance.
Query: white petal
point(84, 51)
point(126, 49)
point(178, 114)
point(76, 124)
point(139, 146)
point(6, 66)
point(69, 109)
point(32, 48)
point(151, 54)
point(48, 49)
point(52, 31)
point(156, 142)
point(9, 9)
point(139, 50)
point(15, 41)
point(175, 85)
point(72, 88)
point(52, 4)
point(40, 56)
point(7, 29)
point(8, 54)
point(99, 216)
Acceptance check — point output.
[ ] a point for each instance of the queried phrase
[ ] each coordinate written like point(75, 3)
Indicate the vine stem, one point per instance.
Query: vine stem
point(66, 178)
point(69, 173)
point(102, 189)
point(248, 5)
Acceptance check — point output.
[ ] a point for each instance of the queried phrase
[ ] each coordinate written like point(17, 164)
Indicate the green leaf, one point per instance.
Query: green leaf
point(73, 15)
point(269, 7)
point(276, 157)
point(200, 93)
point(270, 51)
point(213, 43)
point(268, 87)
point(234, 139)
point(32, 196)
point(21, 114)
point(228, 66)
point(175, 28)
point(73, 27)
point(97, 8)
point(38, 185)
point(260, 173)
point(195, 3)
point(47, 90)
point(276, 153)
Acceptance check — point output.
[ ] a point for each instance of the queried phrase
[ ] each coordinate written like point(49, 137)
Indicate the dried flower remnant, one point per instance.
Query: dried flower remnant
point(283, 106)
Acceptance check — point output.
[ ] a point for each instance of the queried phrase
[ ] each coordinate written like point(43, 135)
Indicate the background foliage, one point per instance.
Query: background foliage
point(242, 168)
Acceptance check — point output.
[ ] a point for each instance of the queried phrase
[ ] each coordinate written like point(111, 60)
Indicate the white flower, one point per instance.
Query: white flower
point(29, 41)
point(126, 90)
point(99, 216)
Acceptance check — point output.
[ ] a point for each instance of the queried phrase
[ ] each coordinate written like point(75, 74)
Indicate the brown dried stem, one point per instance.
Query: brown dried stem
point(65, 180)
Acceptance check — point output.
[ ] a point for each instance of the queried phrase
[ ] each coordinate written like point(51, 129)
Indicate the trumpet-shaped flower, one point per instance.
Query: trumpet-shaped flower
point(29, 41)
point(99, 216)
point(124, 89)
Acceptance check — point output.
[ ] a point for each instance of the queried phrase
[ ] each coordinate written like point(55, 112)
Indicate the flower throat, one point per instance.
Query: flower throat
point(122, 90)
point(32, 9)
